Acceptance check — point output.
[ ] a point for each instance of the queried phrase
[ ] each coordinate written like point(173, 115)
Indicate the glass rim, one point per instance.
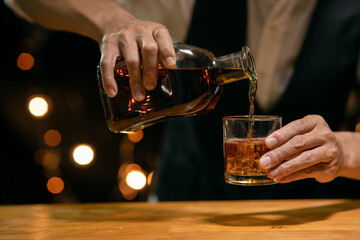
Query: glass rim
point(256, 117)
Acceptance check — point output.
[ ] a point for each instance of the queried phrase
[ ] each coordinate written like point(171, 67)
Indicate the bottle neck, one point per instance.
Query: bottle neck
point(229, 75)
point(248, 62)
point(236, 66)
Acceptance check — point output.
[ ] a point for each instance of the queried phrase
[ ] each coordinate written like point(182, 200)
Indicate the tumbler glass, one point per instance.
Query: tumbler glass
point(244, 145)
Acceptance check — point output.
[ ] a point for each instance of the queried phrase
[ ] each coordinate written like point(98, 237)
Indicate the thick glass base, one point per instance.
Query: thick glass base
point(248, 180)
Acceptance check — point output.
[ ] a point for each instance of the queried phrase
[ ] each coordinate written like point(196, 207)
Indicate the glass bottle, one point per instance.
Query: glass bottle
point(192, 88)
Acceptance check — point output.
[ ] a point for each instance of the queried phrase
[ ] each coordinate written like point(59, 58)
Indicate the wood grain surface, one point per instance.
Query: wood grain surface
point(260, 219)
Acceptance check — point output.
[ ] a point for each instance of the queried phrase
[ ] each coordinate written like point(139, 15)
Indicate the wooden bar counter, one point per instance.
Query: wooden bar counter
point(258, 219)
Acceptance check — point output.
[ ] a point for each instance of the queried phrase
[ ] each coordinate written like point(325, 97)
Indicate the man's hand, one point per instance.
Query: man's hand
point(305, 148)
point(143, 45)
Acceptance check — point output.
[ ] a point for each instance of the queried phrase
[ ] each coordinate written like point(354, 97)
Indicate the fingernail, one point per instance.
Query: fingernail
point(170, 62)
point(139, 96)
point(111, 92)
point(273, 173)
point(149, 85)
point(265, 162)
point(271, 142)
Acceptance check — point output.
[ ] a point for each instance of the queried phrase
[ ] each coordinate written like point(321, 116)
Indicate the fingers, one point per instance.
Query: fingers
point(166, 49)
point(109, 51)
point(287, 132)
point(130, 52)
point(322, 173)
point(303, 161)
point(310, 172)
point(142, 44)
point(154, 46)
point(302, 149)
point(293, 147)
point(149, 52)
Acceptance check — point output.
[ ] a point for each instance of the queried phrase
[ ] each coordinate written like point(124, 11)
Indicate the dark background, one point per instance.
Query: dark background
point(65, 72)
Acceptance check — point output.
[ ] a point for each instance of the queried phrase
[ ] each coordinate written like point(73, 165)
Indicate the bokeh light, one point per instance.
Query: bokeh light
point(38, 156)
point(52, 138)
point(136, 136)
point(135, 179)
point(55, 185)
point(83, 154)
point(121, 171)
point(150, 177)
point(38, 106)
point(127, 192)
point(125, 168)
point(25, 61)
point(133, 167)
point(50, 160)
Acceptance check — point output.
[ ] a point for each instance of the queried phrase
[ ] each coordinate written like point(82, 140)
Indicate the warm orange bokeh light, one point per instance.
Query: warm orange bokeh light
point(133, 167)
point(126, 168)
point(52, 138)
point(136, 180)
point(83, 154)
point(150, 177)
point(136, 136)
point(357, 128)
point(38, 156)
point(25, 61)
point(55, 185)
point(38, 106)
point(50, 161)
point(127, 192)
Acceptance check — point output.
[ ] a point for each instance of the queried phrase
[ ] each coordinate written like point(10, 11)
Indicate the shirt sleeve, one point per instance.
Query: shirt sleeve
point(176, 15)
point(13, 5)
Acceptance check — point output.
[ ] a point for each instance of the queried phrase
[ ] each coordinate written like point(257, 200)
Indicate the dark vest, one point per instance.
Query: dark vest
point(192, 160)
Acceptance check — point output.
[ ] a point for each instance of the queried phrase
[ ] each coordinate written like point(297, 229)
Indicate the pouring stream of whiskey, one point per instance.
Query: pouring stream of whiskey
point(252, 93)
point(238, 74)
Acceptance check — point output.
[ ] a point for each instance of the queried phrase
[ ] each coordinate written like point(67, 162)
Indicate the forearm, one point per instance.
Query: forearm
point(118, 33)
point(85, 17)
point(350, 145)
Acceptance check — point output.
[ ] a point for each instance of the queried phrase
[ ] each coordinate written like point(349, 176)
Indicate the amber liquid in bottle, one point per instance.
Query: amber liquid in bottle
point(187, 91)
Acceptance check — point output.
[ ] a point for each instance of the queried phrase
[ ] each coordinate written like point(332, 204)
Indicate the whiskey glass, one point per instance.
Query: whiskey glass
point(244, 145)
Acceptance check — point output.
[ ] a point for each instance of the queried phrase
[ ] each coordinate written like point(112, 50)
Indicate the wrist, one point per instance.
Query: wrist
point(103, 17)
point(349, 162)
